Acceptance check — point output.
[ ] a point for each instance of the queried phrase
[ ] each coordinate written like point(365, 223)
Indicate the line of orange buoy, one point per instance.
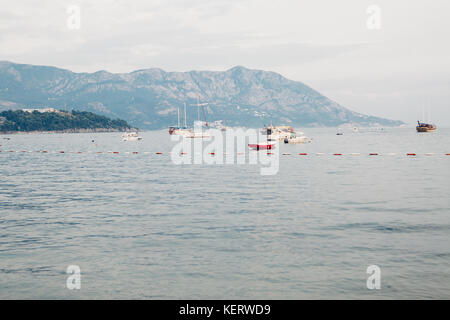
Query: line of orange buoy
point(411, 154)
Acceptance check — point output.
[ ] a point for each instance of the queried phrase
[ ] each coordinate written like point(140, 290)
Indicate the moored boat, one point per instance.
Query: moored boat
point(425, 127)
point(197, 134)
point(294, 139)
point(131, 136)
point(183, 131)
point(180, 130)
point(277, 133)
point(261, 146)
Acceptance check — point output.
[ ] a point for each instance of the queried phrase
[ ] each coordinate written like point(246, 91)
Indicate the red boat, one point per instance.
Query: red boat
point(261, 146)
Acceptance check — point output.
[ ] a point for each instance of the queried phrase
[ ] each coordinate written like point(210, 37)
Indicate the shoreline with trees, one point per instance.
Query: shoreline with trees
point(58, 121)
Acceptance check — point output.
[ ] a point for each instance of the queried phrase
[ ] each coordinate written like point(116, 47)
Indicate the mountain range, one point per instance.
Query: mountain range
point(150, 98)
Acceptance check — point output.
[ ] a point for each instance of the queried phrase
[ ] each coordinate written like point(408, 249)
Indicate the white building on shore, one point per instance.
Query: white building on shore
point(40, 110)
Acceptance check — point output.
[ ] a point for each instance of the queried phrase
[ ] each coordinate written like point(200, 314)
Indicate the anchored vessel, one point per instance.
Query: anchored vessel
point(264, 146)
point(425, 127)
point(197, 131)
point(178, 130)
point(131, 136)
point(284, 133)
point(277, 133)
point(294, 139)
point(261, 146)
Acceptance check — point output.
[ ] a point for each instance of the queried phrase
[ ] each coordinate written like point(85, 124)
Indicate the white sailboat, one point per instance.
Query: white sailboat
point(183, 131)
point(198, 131)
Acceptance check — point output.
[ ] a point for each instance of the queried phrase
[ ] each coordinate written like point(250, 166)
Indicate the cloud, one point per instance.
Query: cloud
point(325, 44)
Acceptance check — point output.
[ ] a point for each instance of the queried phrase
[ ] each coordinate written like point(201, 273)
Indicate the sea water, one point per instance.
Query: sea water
point(141, 227)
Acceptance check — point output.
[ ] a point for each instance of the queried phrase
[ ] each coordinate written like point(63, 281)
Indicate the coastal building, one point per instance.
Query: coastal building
point(40, 110)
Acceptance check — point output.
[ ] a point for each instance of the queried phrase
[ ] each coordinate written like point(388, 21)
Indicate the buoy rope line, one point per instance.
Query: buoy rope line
point(372, 154)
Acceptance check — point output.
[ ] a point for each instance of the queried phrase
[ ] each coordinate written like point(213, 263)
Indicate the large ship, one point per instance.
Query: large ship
point(425, 127)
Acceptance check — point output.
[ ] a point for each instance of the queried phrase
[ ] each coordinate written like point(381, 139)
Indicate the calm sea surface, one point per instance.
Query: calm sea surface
point(142, 227)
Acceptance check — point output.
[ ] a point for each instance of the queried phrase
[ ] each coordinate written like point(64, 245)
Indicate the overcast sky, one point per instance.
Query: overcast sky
point(387, 58)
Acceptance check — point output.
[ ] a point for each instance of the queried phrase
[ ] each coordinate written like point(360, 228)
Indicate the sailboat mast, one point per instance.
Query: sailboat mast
point(178, 117)
point(198, 109)
point(185, 114)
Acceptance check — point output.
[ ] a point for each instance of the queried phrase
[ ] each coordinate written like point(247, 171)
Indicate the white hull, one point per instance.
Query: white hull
point(198, 135)
point(182, 132)
point(132, 139)
point(131, 136)
point(296, 140)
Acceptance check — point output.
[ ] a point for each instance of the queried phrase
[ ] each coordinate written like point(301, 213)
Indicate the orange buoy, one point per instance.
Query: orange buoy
point(410, 154)
point(373, 154)
point(45, 151)
point(158, 152)
point(338, 154)
point(99, 152)
point(133, 152)
point(302, 154)
point(79, 152)
point(212, 153)
point(116, 152)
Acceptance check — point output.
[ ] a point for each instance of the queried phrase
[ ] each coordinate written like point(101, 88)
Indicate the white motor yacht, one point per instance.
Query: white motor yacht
point(131, 136)
point(293, 138)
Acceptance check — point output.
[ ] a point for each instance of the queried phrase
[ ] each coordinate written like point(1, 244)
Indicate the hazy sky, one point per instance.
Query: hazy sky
point(386, 58)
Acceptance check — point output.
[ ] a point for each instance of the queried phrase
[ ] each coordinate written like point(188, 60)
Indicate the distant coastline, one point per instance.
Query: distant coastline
point(96, 130)
point(57, 121)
